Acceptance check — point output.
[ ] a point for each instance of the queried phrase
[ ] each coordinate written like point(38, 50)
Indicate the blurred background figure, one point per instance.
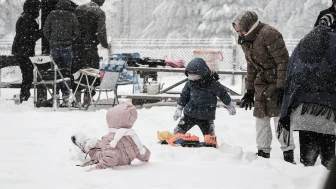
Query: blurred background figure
point(27, 33)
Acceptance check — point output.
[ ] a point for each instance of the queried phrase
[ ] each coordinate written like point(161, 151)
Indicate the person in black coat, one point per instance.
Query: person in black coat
point(331, 180)
point(309, 103)
point(27, 33)
point(329, 10)
point(61, 28)
point(198, 99)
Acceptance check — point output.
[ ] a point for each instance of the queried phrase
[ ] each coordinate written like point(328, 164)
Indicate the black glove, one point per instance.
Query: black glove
point(248, 99)
point(281, 93)
point(215, 75)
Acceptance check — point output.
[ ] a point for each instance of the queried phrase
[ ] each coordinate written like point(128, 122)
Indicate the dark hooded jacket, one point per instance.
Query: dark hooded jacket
point(199, 99)
point(324, 12)
point(92, 24)
point(61, 26)
point(311, 78)
point(27, 30)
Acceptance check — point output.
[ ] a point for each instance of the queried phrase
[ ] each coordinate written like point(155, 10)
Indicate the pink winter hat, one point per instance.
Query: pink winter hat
point(121, 116)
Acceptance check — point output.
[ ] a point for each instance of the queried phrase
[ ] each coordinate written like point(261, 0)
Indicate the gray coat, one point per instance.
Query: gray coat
point(307, 122)
point(200, 99)
point(61, 26)
point(92, 25)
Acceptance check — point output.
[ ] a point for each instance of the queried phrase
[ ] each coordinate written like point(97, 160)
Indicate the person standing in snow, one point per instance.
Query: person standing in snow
point(309, 104)
point(198, 99)
point(61, 28)
point(329, 10)
point(118, 147)
point(267, 59)
point(93, 32)
point(27, 33)
point(331, 180)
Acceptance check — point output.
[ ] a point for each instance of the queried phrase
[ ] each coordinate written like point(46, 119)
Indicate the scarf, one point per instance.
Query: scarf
point(119, 133)
point(310, 78)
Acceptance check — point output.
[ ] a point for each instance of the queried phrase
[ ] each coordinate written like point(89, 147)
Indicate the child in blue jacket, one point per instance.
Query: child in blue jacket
point(198, 99)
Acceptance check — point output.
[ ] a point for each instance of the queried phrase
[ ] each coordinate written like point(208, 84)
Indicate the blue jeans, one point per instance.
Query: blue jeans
point(63, 59)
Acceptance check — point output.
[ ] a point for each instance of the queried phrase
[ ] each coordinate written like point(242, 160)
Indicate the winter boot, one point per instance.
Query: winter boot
point(86, 100)
point(78, 97)
point(263, 154)
point(83, 142)
point(289, 156)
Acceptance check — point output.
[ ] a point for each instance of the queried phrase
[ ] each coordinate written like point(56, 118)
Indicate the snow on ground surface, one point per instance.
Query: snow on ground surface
point(37, 153)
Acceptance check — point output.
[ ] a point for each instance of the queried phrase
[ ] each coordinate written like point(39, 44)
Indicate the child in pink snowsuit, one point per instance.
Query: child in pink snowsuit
point(118, 147)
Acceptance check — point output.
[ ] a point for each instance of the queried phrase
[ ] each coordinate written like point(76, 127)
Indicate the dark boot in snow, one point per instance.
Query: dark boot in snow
point(263, 154)
point(79, 143)
point(289, 156)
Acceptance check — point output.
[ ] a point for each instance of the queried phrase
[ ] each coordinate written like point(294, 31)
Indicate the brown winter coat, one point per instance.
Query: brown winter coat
point(267, 59)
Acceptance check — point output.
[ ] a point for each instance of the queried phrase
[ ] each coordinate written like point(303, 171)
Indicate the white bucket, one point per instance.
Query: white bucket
point(211, 57)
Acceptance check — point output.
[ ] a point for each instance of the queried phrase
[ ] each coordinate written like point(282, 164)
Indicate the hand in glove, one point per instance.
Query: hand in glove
point(231, 109)
point(178, 112)
point(280, 92)
point(248, 99)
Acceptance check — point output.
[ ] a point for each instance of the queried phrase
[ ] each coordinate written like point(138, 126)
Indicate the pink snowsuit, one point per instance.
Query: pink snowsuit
point(120, 120)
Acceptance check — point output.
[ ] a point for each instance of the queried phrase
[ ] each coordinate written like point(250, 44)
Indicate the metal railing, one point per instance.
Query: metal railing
point(234, 58)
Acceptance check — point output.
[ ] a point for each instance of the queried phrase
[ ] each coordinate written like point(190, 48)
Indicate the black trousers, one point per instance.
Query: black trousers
point(27, 76)
point(313, 144)
point(84, 58)
point(186, 123)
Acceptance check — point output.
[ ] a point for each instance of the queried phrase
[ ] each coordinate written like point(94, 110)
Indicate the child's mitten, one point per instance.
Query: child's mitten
point(231, 109)
point(178, 112)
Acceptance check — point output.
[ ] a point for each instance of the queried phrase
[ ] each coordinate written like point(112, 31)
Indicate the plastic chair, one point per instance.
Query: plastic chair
point(39, 60)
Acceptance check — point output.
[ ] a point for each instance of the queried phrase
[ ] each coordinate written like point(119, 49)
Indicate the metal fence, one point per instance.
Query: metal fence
point(159, 48)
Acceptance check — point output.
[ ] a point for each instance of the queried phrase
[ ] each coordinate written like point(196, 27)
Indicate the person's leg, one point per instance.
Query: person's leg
point(207, 127)
point(184, 125)
point(56, 54)
point(91, 59)
point(27, 77)
point(66, 64)
point(309, 149)
point(327, 149)
point(286, 146)
point(264, 136)
point(283, 143)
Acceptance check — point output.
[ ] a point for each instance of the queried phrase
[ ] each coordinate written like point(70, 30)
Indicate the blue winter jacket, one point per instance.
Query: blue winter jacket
point(199, 99)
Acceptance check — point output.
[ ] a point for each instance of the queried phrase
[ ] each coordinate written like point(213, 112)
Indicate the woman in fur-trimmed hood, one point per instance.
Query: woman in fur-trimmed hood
point(309, 104)
point(267, 59)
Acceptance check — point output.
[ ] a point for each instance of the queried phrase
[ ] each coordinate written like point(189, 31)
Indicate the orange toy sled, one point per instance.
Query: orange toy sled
point(188, 140)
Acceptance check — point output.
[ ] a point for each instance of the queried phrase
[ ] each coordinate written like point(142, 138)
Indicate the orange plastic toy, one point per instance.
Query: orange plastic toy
point(176, 137)
point(190, 141)
point(210, 141)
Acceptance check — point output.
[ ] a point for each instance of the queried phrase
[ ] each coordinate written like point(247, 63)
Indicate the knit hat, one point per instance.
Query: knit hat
point(245, 20)
point(328, 20)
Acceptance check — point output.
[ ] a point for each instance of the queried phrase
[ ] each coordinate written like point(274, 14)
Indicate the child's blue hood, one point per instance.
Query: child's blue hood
point(199, 66)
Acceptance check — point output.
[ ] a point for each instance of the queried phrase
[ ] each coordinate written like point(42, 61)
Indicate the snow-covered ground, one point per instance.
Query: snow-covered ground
point(37, 153)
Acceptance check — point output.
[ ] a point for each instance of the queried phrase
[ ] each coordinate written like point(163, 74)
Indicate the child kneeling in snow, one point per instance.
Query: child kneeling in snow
point(198, 99)
point(120, 146)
